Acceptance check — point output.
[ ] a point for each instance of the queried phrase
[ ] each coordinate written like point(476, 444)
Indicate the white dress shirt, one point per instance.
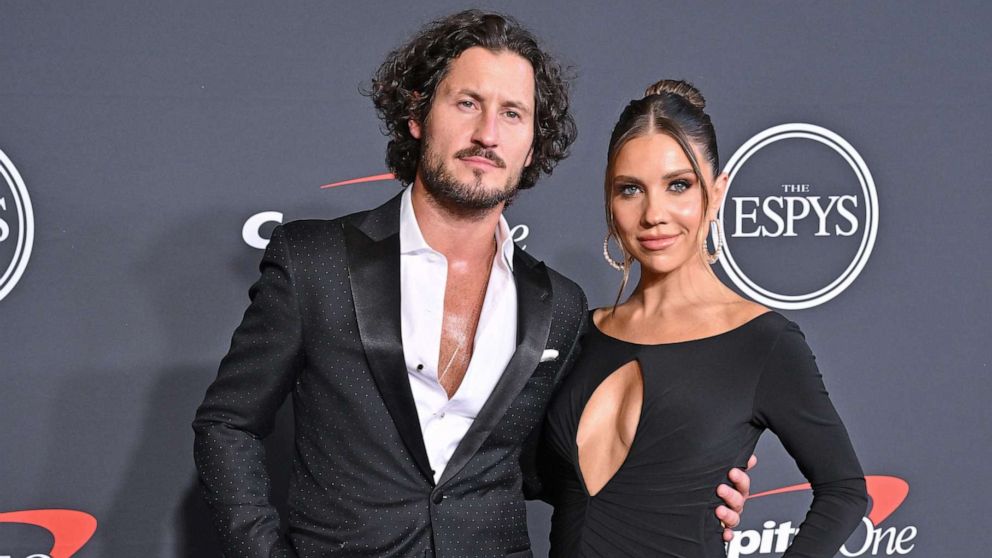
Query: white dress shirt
point(423, 275)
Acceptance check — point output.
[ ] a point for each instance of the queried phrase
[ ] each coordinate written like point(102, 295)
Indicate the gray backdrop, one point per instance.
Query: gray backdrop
point(147, 134)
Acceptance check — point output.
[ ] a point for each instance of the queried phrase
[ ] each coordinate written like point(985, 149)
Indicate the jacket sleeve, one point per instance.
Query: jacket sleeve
point(792, 401)
point(239, 410)
point(534, 458)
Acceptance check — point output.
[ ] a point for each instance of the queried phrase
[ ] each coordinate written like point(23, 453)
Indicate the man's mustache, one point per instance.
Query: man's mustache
point(476, 151)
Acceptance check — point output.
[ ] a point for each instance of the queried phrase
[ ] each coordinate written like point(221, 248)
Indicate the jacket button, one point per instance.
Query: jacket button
point(438, 498)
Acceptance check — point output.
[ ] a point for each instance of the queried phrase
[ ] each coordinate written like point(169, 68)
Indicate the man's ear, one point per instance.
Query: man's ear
point(414, 125)
point(530, 157)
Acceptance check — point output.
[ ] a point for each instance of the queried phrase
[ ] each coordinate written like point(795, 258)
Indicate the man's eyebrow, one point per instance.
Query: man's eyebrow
point(522, 107)
point(469, 93)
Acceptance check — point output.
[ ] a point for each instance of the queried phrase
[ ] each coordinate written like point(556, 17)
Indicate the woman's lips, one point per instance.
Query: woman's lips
point(657, 242)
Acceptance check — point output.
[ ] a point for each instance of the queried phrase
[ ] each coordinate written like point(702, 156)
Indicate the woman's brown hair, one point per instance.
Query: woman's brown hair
point(670, 107)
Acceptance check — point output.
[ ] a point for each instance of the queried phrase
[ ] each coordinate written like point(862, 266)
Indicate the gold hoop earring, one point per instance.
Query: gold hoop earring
point(712, 257)
point(606, 253)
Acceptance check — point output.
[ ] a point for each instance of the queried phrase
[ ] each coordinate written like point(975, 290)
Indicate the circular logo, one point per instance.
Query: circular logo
point(16, 226)
point(799, 218)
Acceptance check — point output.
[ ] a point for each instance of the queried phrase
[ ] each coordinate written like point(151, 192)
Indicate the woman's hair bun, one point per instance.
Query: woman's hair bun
point(680, 88)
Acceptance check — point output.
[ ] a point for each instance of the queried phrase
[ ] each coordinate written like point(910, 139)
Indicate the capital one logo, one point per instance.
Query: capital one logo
point(799, 217)
point(251, 231)
point(870, 538)
point(16, 226)
point(70, 530)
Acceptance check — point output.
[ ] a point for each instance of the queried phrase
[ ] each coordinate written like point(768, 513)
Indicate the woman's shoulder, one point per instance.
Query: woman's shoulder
point(744, 311)
point(770, 327)
point(763, 330)
point(756, 319)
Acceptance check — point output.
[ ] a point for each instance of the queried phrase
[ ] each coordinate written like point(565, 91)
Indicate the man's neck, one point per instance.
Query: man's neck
point(457, 235)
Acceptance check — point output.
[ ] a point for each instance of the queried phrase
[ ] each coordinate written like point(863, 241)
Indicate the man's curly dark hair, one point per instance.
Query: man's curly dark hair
point(403, 87)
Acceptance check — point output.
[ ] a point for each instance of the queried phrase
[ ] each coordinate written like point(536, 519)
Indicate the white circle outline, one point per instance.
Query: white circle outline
point(857, 163)
point(861, 248)
point(25, 226)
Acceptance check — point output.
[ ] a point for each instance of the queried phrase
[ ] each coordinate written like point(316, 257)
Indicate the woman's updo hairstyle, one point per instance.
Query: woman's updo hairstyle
point(683, 106)
point(670, 107)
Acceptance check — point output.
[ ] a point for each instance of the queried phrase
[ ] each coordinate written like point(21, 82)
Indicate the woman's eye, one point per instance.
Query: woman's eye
point(628, 190)
point(679, 186)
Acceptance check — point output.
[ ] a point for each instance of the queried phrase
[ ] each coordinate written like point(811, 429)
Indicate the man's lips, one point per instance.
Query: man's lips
point(480, 161)
point(657, 242)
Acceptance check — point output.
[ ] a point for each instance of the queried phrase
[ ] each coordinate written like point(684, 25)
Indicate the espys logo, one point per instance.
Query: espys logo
point(16, 226)
point(870, 539)
point(799, 217)
point(251, 232)
point(70, 529)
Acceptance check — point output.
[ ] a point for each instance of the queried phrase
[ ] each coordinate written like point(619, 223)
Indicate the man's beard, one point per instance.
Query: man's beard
point(462, 197)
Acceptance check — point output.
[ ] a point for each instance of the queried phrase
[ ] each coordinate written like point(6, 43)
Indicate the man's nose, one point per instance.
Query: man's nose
point(486, 131)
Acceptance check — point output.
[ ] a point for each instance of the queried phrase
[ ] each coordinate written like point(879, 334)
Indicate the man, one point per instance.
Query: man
point(420, 346)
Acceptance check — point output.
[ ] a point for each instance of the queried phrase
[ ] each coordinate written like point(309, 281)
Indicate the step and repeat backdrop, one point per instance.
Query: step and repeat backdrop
point(147, 150)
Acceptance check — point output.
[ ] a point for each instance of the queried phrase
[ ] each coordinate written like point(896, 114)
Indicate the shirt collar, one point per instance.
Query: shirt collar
point(412, 240)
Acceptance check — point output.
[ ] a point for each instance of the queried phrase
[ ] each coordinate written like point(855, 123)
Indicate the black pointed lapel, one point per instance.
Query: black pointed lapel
point(373, 245)
point(533, 327)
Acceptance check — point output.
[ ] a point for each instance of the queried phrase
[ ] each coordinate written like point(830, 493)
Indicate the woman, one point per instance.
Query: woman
point(676, 384)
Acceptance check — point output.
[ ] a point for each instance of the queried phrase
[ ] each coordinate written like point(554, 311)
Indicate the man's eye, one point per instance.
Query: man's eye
point(679, 186)
point(513, 114)
point(466, 104)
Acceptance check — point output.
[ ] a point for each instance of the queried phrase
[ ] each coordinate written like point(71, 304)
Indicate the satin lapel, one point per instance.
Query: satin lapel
point(533, 327)
point(374, 270)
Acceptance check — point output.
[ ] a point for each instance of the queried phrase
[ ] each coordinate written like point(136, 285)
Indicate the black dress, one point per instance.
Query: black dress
point(706, 402)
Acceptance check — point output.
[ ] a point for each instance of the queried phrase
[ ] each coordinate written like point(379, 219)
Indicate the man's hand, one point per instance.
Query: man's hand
point(730, 515)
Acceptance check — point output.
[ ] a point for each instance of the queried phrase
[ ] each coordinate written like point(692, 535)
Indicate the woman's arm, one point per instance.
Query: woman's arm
point(792, 401)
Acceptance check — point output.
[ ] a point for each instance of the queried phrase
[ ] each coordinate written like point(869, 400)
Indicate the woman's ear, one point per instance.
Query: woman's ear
point(716, 195)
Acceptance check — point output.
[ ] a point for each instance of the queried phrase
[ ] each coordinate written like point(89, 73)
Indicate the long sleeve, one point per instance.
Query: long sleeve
point(792, 401)
point(534, 458)
point(239, 409)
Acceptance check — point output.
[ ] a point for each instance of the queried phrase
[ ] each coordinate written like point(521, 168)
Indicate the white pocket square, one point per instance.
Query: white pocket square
point(548, 355)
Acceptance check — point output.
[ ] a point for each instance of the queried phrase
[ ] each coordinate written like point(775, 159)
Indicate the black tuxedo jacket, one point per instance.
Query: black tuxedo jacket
point(324, 326)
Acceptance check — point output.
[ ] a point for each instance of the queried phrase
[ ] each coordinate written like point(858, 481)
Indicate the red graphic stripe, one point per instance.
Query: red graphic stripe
point(71, 529)
point(886, 493)
point(373, 178)
point(783, 490)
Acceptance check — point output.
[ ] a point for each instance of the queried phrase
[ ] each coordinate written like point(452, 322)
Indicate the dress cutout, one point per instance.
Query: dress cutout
point(608, 426)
